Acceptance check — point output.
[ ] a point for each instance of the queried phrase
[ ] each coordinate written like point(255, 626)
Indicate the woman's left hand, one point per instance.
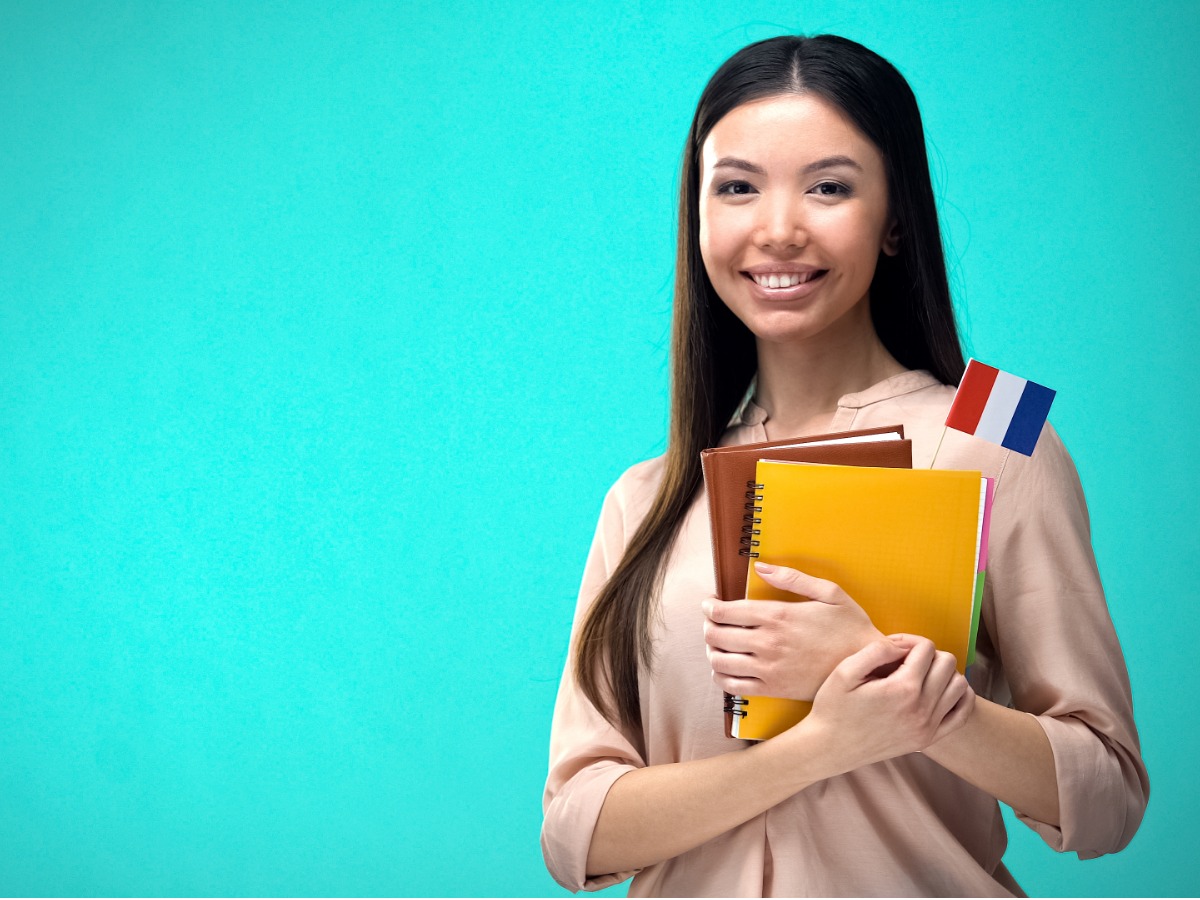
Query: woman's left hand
point(781, 648)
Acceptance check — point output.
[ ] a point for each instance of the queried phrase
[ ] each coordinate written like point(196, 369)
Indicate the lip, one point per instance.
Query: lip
point(795, 292)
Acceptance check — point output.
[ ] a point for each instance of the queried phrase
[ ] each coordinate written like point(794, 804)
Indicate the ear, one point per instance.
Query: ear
point(891, 239)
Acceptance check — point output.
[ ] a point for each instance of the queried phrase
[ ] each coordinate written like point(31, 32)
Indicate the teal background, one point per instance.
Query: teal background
point(282, 284)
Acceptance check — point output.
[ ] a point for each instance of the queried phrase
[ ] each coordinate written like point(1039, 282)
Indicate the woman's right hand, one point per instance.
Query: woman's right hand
point(865, 716)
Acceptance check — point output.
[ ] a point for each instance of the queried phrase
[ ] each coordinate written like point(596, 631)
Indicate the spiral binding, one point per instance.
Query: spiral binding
point(748, 530)
point(736, 706)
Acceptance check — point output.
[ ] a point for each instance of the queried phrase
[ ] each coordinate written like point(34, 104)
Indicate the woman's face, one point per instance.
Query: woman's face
point(793, 216)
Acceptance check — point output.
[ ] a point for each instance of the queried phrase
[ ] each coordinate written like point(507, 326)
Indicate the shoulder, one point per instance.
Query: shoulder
point(630, 497)
point(1047, 479)
point(921, 404)
point(625, 506)
point(640, 477)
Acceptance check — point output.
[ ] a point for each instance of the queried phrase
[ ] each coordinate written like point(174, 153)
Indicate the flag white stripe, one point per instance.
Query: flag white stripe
point(1001, 404)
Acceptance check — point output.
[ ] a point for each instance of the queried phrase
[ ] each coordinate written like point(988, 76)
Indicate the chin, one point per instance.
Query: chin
point(785, 328)
point(801, 325)
point(784, 338)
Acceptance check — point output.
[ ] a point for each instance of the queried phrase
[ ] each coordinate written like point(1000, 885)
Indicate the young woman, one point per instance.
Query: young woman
point(811, 296)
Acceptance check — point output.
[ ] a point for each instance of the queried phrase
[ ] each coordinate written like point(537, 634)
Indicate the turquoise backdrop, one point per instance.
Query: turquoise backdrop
point(325, 326)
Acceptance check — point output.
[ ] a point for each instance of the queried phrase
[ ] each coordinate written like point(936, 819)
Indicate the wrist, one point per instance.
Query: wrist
point(944, 749)
point(808, 753)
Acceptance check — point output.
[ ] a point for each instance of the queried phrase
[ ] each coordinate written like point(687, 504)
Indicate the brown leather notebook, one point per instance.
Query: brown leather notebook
point(729, 484)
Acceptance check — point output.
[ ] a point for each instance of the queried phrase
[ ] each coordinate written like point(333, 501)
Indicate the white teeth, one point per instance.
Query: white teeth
point(785, 280)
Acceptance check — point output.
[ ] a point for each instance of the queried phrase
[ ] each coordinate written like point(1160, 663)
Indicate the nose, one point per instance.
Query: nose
point(781, 224)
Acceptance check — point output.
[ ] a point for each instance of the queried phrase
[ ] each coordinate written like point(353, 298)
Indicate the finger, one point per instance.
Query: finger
point(732, 638)
point(743, 687)
point(743, 613)
point(953, 692)
point(942, 669)
point(796, 582)
point(958, 715)
point(857, 667)
point(734, 665)
point(916, 663)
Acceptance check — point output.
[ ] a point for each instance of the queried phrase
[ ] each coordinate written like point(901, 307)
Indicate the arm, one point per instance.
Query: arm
point(785, 649)
point(655, 813)
point(1048, 648)
point(587, 752)
point(858, 718)
point(1022, 775)
point(1065, 756)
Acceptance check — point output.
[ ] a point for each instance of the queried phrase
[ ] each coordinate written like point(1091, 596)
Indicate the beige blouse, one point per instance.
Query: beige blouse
point(906, 826)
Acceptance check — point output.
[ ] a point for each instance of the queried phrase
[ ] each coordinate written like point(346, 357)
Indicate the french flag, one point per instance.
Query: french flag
point(1000, 408)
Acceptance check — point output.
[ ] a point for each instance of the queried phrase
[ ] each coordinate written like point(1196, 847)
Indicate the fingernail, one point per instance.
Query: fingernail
point(706, 607)
point(764, 568)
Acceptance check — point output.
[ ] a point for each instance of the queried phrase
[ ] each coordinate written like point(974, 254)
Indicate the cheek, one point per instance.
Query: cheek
point(856, 242)
point(705, 241)
point(718, 242)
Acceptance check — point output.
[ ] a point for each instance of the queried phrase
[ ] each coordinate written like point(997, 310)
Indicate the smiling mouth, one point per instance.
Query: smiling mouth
point(785, 279)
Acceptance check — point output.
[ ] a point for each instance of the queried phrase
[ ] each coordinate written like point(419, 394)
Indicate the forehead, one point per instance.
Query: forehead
point(788, 128)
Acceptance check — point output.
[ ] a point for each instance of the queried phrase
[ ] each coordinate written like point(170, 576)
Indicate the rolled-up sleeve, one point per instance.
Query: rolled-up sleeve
point(587, 752)
point(1051, 627)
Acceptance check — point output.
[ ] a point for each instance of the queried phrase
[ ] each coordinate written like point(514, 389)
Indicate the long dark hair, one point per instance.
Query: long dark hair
point(713, 354)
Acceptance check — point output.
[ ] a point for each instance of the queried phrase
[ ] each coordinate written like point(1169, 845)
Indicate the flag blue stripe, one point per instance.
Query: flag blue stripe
point(1028, 418)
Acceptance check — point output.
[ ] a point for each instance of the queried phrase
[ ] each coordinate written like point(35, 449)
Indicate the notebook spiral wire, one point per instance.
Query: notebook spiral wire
point(735, 705)
point(748, 530)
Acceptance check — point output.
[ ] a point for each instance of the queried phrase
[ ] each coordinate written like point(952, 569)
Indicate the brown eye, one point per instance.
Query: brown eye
point(831, 189)
point(738, 188)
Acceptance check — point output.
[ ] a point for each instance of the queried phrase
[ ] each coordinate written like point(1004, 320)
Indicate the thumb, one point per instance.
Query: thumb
point(858, 667)
point(797, 582)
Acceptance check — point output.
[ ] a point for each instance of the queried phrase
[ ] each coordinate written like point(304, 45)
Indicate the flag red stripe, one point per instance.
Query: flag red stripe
point(972, 397)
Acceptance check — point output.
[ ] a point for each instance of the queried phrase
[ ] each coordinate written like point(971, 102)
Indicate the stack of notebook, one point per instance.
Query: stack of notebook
point(909, 545)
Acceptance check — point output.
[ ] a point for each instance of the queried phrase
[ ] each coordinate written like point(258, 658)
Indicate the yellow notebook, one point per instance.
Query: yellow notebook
point(904, 543)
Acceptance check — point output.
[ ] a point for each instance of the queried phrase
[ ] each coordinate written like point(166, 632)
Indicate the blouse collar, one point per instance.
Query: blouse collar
point(750, 413)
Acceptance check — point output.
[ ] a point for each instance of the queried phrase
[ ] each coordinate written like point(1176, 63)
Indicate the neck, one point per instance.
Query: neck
point(800, 383)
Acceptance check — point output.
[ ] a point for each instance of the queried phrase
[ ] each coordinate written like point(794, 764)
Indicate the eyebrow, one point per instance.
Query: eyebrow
point(829, 162)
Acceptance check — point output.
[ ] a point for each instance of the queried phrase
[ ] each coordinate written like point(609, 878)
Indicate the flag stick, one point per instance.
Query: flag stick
point(999, 475)
point(939, 447)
